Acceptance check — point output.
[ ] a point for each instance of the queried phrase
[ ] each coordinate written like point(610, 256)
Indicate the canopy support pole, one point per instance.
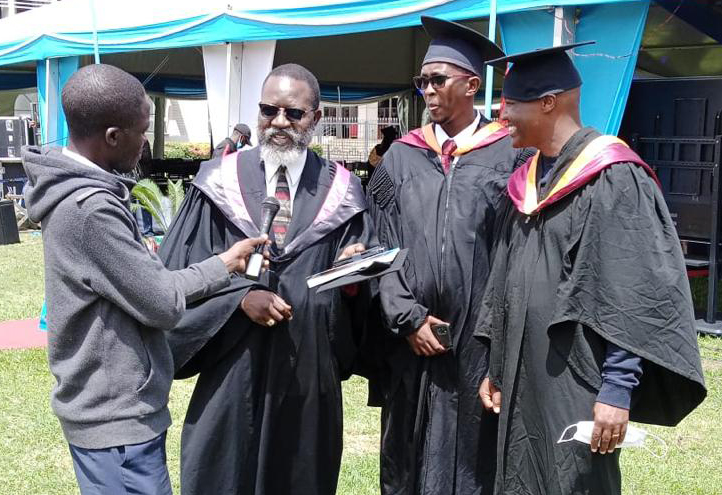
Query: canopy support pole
point(234, 76)
point(159, 127)
point(52, 74)
point(564, 26)
point(96, 49)
point(489, 89)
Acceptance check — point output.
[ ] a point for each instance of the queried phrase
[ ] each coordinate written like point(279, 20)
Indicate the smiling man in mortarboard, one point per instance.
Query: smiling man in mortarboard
point(436, 192)
point(588, 306)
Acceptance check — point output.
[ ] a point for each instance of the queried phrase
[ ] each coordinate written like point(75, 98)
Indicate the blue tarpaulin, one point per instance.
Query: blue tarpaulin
point(175, 87)
point(65, 29)
point(179, 87)
point(195, 87)
point(606, 67)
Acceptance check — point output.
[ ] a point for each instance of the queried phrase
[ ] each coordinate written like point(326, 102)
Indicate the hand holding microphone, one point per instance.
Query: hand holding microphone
point(262, 306)
point(269, 208)
point(236, 258)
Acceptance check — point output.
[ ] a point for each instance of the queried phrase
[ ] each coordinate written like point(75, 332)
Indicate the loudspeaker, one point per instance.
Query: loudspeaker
point(14, 134)
point(8, 226)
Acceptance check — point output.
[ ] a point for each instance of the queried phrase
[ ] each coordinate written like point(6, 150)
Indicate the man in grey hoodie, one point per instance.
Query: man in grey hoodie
point(109, 299)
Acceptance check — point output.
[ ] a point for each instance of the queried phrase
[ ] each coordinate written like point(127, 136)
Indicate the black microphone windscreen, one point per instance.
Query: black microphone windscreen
point(271, 204)
point(269, 208)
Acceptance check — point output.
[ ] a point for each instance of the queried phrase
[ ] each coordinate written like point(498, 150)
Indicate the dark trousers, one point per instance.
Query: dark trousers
point(147, 222)
point(124, 470)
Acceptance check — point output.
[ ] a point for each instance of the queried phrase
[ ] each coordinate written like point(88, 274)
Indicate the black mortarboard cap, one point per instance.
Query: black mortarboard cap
point(459, 45)
point(539, 72)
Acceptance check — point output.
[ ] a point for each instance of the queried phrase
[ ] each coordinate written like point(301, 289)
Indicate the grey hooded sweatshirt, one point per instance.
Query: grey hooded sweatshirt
point(108, 301)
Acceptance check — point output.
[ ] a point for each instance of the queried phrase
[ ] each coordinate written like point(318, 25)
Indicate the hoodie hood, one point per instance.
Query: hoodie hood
point(54, 177)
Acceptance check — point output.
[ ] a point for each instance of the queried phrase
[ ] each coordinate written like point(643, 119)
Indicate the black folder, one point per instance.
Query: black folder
point(373, 271)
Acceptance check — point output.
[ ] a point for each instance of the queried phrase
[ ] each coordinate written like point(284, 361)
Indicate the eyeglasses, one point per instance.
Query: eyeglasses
point(437, 82)
point(292, 114)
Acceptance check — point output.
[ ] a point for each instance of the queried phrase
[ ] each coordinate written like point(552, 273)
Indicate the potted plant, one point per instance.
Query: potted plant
point(161, 207)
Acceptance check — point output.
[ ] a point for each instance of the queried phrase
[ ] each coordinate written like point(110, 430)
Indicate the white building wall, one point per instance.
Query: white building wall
point(187, 121)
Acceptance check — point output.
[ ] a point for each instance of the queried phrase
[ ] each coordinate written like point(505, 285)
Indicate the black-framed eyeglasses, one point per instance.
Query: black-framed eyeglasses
point(271, 111)
point(437, 82)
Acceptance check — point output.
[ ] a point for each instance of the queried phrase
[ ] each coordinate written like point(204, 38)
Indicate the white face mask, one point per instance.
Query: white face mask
point(635, 437)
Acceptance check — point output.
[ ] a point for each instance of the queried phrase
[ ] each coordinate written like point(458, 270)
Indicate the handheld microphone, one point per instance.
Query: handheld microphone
point(269, 208)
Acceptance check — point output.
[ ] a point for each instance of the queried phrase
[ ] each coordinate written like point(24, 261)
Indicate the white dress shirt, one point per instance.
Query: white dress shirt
point(293, 176)
point(461, 138)
point(79, 158)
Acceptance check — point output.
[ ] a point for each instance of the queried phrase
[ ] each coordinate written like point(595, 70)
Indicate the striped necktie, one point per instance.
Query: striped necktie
point(447, 149)
point(283, 217)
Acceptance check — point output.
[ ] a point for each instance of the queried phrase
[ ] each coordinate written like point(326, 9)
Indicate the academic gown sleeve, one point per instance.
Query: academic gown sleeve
point(212, 325)
point(359, 354)
point(359, 229)
point(401, 312)
point(628, 283)
point(490, 323)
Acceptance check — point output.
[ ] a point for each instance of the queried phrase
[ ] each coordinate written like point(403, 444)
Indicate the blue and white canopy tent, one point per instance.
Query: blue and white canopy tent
point(240, 45)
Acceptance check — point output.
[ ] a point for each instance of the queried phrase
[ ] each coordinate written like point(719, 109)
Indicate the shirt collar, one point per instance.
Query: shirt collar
point(79, 158)
point(293, 169)
point(461, 137)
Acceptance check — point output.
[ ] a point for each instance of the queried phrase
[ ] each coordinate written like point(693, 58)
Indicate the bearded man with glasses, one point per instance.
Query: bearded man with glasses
point(436, 192)
point(265, 416)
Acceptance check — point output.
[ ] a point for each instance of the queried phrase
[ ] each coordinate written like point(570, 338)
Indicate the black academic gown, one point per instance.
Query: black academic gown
point(226, 146)
point(435, 437)
point(602, 264)
point(265, 417)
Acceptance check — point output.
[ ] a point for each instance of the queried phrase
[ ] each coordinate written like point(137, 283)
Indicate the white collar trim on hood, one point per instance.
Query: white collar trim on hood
point(79, 158)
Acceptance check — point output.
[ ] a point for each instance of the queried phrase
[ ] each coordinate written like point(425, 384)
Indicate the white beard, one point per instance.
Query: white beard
point(284, 155)
point(272, 154)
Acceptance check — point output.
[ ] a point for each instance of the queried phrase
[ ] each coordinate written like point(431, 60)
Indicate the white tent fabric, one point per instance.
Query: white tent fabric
point(55, 34)
point(66, 28)
point(75, 16)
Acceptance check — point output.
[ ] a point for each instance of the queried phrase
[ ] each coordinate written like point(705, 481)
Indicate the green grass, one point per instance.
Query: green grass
point(34, 459)
point(21, 276)
point(692, 463)
point(360, 462)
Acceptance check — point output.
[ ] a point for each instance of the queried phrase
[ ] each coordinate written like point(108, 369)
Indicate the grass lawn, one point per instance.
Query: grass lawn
point(21, 273)
point(34, 459)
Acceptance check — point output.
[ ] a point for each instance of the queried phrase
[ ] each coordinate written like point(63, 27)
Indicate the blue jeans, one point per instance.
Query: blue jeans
point(124, 470)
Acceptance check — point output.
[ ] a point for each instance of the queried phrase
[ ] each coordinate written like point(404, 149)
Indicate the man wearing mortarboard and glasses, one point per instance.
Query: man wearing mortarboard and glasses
point(587, 306)
point(436, 193)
